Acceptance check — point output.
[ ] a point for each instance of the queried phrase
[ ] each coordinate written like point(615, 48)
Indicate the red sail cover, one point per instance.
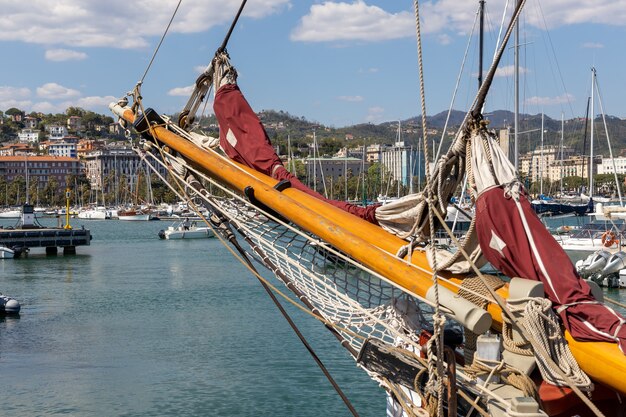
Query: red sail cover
point(500, 224)
point(243, 139)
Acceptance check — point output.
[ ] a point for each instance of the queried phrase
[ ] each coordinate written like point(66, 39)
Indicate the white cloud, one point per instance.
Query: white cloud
point(64, 55)
point(18, 104)
point(181, 91)
point(593, 45)
point(56, 91)
point(47, 107)
point(113, 24)
point(369, 71)
point(550, 101)
point(352, 99)
point(94, 101)
point(80, 23)
point(455, 16)
point(8, 93)
point(329, 22)
point(509, 71)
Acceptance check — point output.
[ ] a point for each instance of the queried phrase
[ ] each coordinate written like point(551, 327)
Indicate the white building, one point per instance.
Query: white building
point(62, 148)
point(57, 132)
point(402, 162)
point(28, 136)
point(607, 164)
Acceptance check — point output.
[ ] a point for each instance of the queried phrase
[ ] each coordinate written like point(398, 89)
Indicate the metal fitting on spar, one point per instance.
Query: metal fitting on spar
point(469, 314)
point(118, 110)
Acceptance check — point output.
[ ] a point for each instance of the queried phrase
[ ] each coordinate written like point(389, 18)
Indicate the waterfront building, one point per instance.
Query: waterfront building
point(115, 164)
point(575, 166)
point(545, 162)
point(402, 162)
point(41, 169)
point(612, 165)
point(326, 171)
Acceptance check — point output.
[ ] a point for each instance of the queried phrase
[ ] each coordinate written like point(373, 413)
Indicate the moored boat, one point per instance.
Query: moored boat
point(9, 305)
point(134, 215)
point(186, 230)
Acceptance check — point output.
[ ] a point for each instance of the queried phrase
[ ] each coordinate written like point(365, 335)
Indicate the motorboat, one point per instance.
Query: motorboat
point(592, 237)
point(604, 268)
point(6, 253)
point(10, 253)
point(186, 230)
point(9, 305)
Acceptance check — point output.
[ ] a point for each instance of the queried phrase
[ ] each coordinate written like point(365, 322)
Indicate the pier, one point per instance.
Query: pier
point(30, 235)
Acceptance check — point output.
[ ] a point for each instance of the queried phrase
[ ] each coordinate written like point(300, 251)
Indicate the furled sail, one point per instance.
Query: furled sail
point(515, 241)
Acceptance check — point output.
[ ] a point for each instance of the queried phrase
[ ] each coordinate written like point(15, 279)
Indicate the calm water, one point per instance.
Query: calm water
point(136, 326)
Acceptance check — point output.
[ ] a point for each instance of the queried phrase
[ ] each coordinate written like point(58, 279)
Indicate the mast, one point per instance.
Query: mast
point(608, 142)
point(516, 117)
point(562, 136)
point(593, 76)
point(541, 161)
point(26, 169)
point(481, 42)
point(314, 162)
point(345, 175)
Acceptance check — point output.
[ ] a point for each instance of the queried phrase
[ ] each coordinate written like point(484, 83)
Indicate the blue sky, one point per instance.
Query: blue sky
point(334, 62)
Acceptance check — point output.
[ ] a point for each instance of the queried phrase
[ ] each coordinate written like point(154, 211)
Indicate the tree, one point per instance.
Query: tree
point(75, 111)
point(13, 111)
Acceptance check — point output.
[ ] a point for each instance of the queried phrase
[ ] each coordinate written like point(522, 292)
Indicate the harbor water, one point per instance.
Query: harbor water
point(133, 325)
point(137, 326)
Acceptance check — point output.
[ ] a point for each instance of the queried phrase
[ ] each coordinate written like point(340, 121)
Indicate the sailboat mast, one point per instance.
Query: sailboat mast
point(516, 116)
point(481, 42)
point(608, 142)
point(593, 75)
point(345, 175)
point(562, 137)
point(314, 162)
point(541, 161)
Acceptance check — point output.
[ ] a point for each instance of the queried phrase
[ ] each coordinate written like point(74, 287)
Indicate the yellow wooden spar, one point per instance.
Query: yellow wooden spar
point(368, 244)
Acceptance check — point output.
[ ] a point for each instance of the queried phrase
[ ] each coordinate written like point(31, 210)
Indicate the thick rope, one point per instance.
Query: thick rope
point(537, 317)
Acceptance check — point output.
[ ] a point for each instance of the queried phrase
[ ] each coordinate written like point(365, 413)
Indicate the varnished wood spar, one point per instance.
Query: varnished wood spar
point(367, 243)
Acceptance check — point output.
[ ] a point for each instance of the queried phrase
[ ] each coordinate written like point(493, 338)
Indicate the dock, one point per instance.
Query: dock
point(49, 238)
point(31, 235)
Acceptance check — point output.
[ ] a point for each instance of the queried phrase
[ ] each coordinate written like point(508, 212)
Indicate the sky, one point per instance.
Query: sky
point(337, 63)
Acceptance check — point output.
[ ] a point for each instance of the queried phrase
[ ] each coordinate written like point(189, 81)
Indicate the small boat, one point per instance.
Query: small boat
point(184, 230)
point(134, 215)
point(10, 214)
point(6, 253)
point(97, 213)
point(9, 305)
point(9, 253)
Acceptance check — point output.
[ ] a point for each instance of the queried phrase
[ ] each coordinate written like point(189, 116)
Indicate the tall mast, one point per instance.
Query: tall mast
point(515, 119)
point(592, 115)
point(541, 160)
point(481, 42)
point(562, 136)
